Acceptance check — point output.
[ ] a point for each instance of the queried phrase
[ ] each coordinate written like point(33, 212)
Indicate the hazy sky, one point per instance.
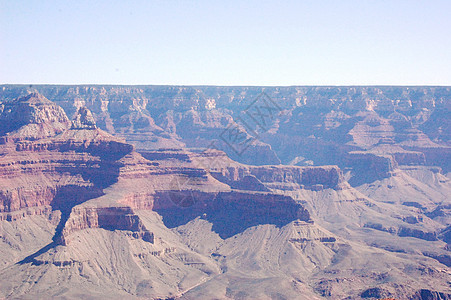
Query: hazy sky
point(226, 42)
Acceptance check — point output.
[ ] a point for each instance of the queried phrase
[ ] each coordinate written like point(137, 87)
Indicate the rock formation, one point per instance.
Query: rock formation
point(83, 119)
point(31, 117)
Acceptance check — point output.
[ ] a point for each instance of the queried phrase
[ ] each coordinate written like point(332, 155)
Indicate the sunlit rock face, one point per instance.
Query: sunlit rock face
point(31, 117)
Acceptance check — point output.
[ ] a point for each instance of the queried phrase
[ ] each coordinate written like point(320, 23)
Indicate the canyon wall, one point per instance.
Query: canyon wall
point(307, 125)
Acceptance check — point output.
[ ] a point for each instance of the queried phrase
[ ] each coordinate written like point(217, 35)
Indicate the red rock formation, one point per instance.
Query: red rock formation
point(110, 218)
point(60, 171)
point(65, 170)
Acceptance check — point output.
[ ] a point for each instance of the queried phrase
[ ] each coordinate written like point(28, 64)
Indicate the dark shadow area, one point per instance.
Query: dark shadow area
point(68, 197)
point(108, 151)
point(230, 220)
point(101, 174)
point(247, 183)
point(369, 167)
point(362, 176)
point(165, 154)
point(234, 212)
point(112, 151)
point(65, 199)
point(31, 258)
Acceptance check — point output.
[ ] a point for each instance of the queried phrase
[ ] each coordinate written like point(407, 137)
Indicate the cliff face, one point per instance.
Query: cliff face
point(110, 218)
point(370, 167)
point(58, 171)
point(285, 177)
point(306, 177)
point(319, 124)
point(34, 173)
point(256, 178)
point(70, 170)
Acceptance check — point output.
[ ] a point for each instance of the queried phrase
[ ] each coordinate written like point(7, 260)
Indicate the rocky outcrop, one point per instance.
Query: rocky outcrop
point(280, 208)
point(248, 182)
point(31, 117)
point(442, 258)
point(436, 156)
point(260, 178)
point(404, 231)
point(252, 178)
point(110, 218)
point(36, 174)
point(380, 227)
point(83, 119)
point(410, 158)
point(59, 171)
point(381, 99)
point(32, 182)
point(16, 215)
point(417, 233)
point(306, 177)
point(400, 155)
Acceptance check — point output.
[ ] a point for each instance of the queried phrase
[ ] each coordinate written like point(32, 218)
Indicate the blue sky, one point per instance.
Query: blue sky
point(226, 42)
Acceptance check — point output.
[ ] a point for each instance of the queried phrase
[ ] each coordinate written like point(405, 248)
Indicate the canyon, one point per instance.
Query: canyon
point(167, 192)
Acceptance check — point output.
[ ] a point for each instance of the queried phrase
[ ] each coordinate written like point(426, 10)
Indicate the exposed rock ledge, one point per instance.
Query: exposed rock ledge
point(262, 178)
point(110, 218)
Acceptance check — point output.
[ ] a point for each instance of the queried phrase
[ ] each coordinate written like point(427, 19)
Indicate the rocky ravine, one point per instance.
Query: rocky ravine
point(83, 214)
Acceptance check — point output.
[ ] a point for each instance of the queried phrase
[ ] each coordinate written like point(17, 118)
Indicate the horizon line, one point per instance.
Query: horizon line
point(219, 85)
